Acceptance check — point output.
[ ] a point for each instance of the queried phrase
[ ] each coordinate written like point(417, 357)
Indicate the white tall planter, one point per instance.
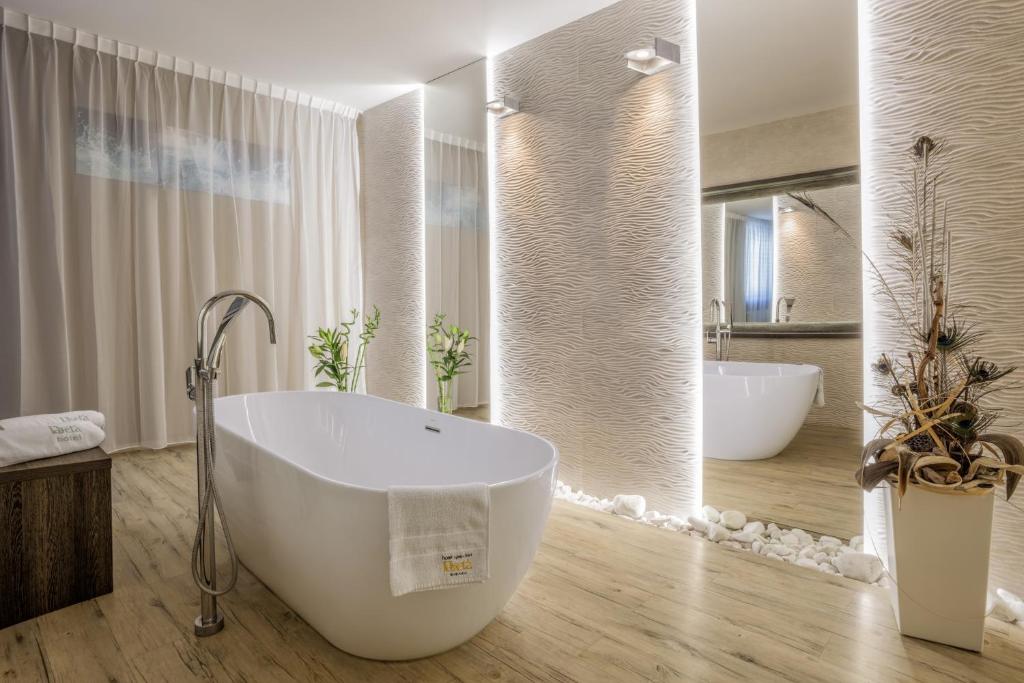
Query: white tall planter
point(936, 550)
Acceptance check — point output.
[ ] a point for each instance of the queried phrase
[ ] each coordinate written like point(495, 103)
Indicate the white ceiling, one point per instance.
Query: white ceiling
point(760, 60)
point(357, 53)
point(765, 60)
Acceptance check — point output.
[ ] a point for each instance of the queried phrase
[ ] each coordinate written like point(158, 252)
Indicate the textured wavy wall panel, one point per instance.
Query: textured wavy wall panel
point(393, 245)
point(952, 70)
point(597, 252)
point(712, 232)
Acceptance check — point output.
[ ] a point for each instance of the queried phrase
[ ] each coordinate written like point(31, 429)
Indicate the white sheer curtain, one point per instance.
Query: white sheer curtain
point(130, 193)
point(748, 279)
point(758, 281)
point(735, 236)
point(457, 253)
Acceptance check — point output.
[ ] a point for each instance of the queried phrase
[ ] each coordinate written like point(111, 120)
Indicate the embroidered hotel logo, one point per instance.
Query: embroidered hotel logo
point(457, 564)
point(68, 433)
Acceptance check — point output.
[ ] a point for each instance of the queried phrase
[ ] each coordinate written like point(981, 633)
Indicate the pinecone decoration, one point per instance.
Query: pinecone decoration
point(920, 443)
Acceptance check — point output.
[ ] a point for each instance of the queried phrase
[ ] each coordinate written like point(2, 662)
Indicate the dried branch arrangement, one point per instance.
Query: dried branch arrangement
point(934, 429)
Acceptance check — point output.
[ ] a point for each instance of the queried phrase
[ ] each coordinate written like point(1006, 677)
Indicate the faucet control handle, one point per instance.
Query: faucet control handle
point(190, 385)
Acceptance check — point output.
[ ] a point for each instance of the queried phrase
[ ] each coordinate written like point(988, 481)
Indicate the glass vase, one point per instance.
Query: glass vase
point(444, 396)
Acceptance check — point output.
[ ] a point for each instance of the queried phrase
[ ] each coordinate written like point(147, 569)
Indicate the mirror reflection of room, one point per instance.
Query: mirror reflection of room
point(782, 266)
point(749, 238)
point(457, 247)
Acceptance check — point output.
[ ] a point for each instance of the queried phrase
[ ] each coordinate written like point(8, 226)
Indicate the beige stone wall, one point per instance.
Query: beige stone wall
point(827, 139)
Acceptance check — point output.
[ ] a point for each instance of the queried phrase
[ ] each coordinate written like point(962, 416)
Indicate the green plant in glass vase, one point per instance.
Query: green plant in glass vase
point(330, 350)
point(449, 356)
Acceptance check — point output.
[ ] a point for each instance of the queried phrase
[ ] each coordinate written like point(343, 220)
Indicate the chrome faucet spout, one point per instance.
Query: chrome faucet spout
point(789, 301)
point(241, 300)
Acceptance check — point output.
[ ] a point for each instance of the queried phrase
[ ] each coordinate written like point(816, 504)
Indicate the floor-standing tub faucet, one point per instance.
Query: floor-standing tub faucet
point(200, 381)
point(722, 318)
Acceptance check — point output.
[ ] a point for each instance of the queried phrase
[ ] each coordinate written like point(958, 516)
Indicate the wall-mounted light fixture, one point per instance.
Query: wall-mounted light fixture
point(503, 106)
point(651, 60)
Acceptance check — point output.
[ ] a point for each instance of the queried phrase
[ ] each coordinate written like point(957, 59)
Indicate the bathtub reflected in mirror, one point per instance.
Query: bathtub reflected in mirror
point(781, 265)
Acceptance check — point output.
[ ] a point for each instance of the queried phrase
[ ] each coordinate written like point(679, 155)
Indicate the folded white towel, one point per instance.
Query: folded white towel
point(44, 436)
point(439, 536)
point(819, 393)
point(55, 418)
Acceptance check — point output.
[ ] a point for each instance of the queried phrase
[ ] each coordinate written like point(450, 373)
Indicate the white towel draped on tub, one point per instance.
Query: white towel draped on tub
point(44, 436)
point(439, 536)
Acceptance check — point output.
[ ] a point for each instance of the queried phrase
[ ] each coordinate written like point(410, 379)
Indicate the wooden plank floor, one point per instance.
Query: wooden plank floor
point(606, 600)
point(808, 485)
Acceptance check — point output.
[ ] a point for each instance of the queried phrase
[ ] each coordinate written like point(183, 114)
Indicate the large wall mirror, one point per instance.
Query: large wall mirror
point(782, 261)
point(457, 228)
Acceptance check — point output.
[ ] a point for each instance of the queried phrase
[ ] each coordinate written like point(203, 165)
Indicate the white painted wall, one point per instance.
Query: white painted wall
point(454, 103)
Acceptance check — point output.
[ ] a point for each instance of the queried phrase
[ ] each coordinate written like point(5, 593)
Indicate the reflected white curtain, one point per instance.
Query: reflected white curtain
point(131, 192)
point(736, 268)
point(757, 291)
point(457, 253)
point(749, 245)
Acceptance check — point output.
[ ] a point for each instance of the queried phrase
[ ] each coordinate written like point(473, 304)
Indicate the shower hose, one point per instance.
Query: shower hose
point(211, 498)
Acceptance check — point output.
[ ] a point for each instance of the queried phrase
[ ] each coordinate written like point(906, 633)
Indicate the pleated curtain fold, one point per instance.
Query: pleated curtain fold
point(130, 194)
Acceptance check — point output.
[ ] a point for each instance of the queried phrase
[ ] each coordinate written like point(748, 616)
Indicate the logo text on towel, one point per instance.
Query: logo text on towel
point(457, 564)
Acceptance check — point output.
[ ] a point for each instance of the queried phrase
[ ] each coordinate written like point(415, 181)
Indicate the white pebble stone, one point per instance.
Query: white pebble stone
point(675, 523)
point(744, 537)
point(859, 566)
point(857, 543)
point(780, 549)
point(791, 540)
point(806, 562)
point(733, 519)
point(773, 556)
point(717, 532)
point(754, 528)
point(698, 524)
point(827, 568)
point(632, 506)
point(820, 557)
point(732, 544)
point(711, 514)
point(1013, 604)
point(807, 552)
point(830, 540)
point(757, 547)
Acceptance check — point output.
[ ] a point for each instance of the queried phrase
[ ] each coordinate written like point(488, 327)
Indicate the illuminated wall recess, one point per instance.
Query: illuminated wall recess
point(953, 71)
point(961, 84)
point(597, 253)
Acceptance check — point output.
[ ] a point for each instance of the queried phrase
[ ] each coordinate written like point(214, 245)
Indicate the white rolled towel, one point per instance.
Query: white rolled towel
point(93, 416)
point(43, 436)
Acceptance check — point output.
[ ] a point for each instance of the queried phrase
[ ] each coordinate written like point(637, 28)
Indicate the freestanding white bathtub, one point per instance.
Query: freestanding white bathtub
point(753, 410)
point(303, 479)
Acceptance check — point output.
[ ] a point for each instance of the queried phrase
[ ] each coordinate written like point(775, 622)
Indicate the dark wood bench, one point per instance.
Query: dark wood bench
point(55, 534)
